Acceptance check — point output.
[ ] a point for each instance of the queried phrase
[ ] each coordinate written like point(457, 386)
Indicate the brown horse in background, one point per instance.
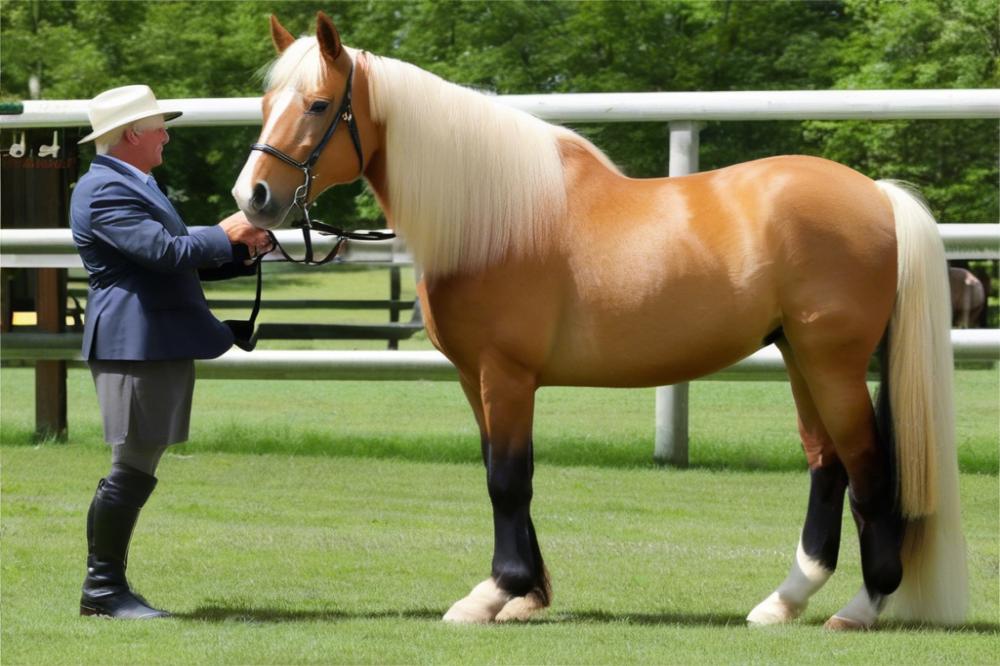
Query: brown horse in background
point(968, 298)
point(544, 265)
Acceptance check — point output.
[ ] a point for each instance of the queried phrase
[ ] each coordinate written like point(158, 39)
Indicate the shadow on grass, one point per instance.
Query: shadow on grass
point(224, 613)
point(240, 613)
point(709, 620)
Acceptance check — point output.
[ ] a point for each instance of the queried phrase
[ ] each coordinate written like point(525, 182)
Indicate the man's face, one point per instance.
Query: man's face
point(149, 144)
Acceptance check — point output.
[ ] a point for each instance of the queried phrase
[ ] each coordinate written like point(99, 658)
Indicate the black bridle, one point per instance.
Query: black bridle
point(245, 332)
point(345, 113)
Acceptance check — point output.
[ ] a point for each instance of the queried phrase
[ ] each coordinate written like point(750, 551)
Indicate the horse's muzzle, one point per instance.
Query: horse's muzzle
point(261, 208)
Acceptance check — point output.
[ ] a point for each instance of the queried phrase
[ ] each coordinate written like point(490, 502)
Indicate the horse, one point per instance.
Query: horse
point(968, 298)
point(544, 265)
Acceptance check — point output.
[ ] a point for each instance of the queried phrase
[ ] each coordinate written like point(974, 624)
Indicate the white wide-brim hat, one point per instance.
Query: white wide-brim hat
point(121, 106)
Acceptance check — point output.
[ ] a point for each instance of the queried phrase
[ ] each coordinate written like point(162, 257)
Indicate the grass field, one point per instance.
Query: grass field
point(339, 530)
point(335, 522)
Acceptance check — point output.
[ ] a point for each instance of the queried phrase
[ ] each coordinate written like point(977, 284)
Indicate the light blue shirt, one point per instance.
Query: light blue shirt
point(144, 177)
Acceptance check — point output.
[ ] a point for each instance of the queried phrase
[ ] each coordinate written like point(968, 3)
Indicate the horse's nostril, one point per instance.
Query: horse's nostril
point(261, 196)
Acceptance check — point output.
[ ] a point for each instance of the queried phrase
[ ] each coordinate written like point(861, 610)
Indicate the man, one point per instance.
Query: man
point(146, 321)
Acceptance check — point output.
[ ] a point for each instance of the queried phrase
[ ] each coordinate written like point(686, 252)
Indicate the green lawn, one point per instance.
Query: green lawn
point(335, 522)
point(338, 528)
point(276, 559)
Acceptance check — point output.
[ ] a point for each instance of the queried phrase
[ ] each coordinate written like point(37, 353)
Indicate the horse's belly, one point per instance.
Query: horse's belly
point(655, 345)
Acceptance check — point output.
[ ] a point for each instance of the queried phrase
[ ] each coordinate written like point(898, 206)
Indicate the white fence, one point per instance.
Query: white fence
point(611, 107)
point(54, 248)
point(683, 111)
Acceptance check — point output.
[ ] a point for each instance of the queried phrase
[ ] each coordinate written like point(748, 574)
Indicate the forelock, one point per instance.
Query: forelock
point(299, 66)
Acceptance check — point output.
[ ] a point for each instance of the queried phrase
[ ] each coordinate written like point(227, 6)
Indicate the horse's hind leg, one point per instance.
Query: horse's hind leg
point(835, 372)
point(819, 543)
point(518, 586)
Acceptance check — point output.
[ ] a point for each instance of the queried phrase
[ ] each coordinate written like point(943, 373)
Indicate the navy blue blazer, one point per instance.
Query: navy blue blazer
point(145, 301)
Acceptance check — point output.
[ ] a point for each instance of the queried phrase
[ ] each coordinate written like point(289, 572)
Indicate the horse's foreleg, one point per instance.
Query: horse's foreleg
point(518, 586)
point(819, 543)
point(472, 393)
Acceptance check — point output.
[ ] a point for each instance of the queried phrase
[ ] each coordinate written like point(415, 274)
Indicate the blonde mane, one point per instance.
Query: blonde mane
point(471, 181)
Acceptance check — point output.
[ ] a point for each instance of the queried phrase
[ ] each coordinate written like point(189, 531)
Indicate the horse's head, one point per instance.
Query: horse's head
point(316, 131)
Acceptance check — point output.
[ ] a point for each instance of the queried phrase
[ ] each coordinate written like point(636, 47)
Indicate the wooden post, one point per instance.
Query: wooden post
point(50, 376)
point(35, 194)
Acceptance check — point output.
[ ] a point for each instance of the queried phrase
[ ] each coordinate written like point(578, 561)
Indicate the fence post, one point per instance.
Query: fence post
point(34, 193)
point(394, 291)
point(671, 446)
point(50, 376)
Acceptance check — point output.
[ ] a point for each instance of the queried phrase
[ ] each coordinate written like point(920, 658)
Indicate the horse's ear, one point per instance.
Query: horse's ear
point(282, 38)
point(326, 35)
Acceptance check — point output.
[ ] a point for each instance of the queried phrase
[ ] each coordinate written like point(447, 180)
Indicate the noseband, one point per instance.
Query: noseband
point(345, 113)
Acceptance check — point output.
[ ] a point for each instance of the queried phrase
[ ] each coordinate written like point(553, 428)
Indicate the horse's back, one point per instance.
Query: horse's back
point(674, 278)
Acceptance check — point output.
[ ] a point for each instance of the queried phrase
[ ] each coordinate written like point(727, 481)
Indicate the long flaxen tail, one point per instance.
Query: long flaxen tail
point(919, 376)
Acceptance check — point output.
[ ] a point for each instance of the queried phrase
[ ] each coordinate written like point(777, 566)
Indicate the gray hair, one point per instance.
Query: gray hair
point(109, 140)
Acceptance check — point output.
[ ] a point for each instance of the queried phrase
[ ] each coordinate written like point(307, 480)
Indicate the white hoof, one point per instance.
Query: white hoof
point(774, 610)
point(480, 607)
point(520, 609)
point(838, 623)
point(859, 614)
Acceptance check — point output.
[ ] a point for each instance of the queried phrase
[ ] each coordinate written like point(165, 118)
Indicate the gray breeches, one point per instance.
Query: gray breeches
point(145, 406)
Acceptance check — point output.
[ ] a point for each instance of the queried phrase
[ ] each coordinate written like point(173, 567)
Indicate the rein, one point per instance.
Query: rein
point(244, 332)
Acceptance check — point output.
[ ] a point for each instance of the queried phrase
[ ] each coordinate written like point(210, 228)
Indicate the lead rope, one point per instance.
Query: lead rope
point(245, 333)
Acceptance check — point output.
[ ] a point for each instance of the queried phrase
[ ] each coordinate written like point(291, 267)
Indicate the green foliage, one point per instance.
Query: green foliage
point(922, 44)
point(214, 49)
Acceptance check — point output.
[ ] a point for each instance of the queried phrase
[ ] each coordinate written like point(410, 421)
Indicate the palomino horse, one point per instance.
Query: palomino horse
point(544, 265)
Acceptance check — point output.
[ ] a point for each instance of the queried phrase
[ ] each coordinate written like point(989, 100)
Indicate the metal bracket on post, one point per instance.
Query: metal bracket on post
point(671, 445)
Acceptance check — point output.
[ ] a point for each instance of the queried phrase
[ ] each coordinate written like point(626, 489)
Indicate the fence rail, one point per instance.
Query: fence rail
point(610, 107)
point(54, 248)
point(972, 345)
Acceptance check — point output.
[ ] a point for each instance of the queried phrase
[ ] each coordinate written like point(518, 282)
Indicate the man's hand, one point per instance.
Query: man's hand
point(239, 230)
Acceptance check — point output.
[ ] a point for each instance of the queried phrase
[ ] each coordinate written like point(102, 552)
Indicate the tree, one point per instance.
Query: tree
point(922, 44)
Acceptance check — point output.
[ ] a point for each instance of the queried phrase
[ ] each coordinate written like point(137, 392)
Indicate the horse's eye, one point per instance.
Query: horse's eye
point(319, 106)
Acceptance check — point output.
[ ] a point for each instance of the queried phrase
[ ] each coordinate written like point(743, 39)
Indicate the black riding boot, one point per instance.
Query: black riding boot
point(110, 520)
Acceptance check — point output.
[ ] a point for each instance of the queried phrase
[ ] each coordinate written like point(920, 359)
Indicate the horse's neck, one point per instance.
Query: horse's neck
point(377, 176)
